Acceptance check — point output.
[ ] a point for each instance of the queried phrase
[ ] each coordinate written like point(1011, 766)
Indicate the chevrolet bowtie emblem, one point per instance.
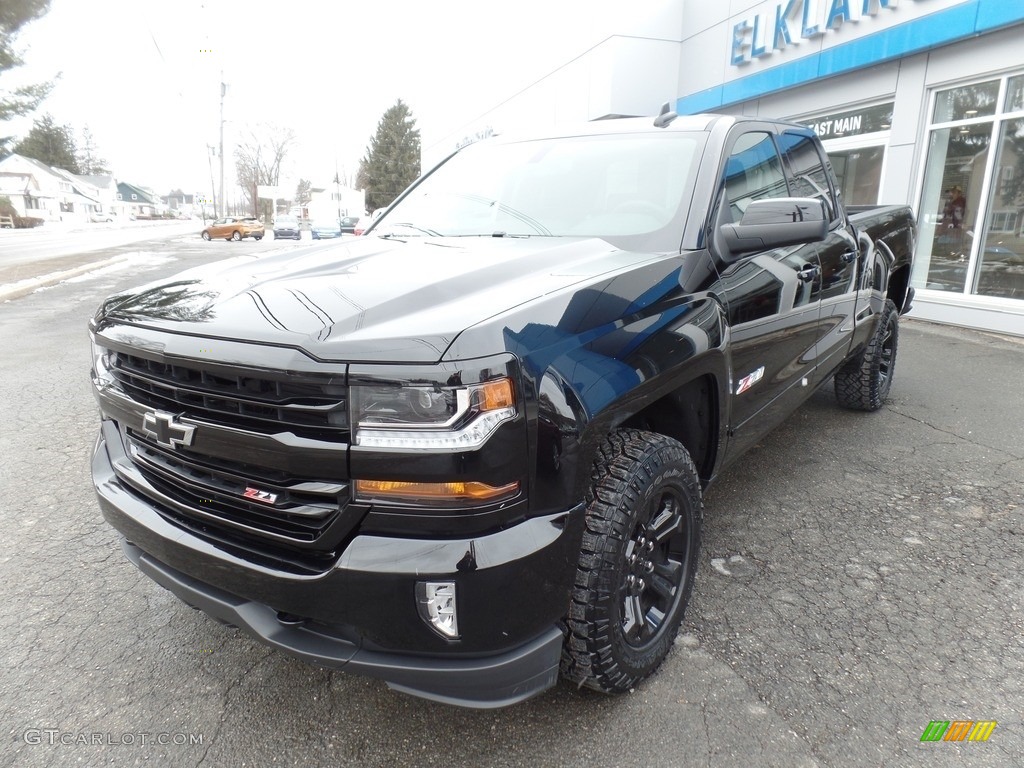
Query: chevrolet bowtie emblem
point(168, 432)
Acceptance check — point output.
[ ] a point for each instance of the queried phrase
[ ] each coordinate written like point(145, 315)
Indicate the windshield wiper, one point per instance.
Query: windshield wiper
point(407, 225)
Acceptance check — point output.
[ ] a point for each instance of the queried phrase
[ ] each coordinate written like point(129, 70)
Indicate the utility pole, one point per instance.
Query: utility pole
point(337, 188)
point(223, 90)
point(213, 189)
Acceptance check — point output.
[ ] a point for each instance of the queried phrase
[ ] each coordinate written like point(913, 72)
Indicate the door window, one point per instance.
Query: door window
point(753, 171)
point(809, 177)
point(859, 173)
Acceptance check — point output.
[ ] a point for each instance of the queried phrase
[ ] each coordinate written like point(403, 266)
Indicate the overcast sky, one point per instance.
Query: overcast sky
point(143, 75)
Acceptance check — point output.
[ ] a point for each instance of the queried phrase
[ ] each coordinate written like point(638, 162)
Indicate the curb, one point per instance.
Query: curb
point(30, 284)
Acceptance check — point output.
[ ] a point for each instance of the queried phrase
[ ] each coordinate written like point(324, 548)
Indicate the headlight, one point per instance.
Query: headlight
point(431, 417)
point(101, 376)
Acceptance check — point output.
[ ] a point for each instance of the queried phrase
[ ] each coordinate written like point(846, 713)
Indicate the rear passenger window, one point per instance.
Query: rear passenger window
point(807, 166)
point(753, 171)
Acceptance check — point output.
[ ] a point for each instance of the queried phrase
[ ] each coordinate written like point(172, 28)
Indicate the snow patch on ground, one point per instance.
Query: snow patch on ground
point(138, 259)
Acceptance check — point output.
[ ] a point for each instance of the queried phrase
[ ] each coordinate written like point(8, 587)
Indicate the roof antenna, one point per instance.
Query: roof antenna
point(666, 115)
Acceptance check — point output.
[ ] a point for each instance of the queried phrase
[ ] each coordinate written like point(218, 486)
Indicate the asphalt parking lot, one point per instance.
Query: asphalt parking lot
point(860, 578)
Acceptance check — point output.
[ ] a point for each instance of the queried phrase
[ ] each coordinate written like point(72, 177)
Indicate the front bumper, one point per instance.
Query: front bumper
point(492, 681)
point(360, 615)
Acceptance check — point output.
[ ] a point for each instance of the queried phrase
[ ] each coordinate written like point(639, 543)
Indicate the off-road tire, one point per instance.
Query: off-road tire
point(863, 383)
point(638, 560)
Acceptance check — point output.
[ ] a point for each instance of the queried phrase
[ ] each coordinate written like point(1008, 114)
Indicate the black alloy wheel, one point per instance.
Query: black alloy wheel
point(864, 382)
point(637, 562)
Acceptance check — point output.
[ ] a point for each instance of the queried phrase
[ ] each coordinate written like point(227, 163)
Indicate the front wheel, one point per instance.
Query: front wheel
point(206, 236)
point(863, 383)
point(637, 562)
point(236, 235)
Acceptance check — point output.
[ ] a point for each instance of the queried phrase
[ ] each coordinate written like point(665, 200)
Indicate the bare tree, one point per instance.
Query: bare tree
point(258, 160)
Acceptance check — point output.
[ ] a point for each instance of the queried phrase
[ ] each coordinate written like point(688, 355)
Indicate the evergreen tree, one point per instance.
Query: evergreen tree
point(14, 14)
point(89, 160)
point(303, 192)
point(392, 160)
point(51, 144)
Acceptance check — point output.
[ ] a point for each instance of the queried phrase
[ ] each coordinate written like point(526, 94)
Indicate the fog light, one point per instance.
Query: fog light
point(436, 603)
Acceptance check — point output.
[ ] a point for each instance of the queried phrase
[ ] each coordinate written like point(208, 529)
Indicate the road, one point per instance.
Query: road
point(860, 577)
point(24, 246)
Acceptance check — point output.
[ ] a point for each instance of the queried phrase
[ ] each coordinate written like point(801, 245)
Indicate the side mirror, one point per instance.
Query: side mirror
point(776, 222)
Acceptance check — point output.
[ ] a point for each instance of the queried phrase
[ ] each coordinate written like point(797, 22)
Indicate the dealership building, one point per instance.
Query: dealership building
point(918, 102)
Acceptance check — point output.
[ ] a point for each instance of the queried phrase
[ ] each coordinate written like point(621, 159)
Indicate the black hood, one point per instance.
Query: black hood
point(373, 299)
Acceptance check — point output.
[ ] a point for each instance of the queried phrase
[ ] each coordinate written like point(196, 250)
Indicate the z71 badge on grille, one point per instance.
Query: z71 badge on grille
point(257, 495)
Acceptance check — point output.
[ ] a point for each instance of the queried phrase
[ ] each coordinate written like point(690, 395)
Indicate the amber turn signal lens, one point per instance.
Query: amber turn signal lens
point(459, 491)
point(496, 394)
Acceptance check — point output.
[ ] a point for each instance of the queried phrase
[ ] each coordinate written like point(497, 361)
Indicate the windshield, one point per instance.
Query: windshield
point(630, 189)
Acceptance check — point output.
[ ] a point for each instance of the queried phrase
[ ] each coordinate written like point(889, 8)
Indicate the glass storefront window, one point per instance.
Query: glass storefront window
point(1015, 94)
point(947, 219)
point(966, 102)
point(859, 172)
point(1001, 261)
point(971, 210)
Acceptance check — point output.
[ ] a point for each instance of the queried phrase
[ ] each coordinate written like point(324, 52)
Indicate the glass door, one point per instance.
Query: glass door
point(971, 213)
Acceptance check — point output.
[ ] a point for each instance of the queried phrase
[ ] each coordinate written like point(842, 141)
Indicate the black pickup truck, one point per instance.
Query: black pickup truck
point(466, 451)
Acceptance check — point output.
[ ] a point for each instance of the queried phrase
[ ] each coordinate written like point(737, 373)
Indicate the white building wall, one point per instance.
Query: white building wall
point(629, 65)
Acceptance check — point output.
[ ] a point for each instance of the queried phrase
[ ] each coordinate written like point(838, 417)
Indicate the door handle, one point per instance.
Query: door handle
point(807, 274)
point(848, 257)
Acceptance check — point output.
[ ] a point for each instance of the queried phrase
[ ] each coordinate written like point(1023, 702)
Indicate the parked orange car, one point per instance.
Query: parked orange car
point(234, 228)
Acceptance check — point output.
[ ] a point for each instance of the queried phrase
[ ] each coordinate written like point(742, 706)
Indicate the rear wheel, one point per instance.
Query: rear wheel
point(236, 235)
point(863, 383)
point(637, 563)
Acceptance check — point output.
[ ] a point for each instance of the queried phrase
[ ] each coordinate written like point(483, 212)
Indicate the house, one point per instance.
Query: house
point(34, 189)
point(106, 187)
point(138, 201)
point(40, 191)
point(79, 198)
point(181, 204)
point(330, 201)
